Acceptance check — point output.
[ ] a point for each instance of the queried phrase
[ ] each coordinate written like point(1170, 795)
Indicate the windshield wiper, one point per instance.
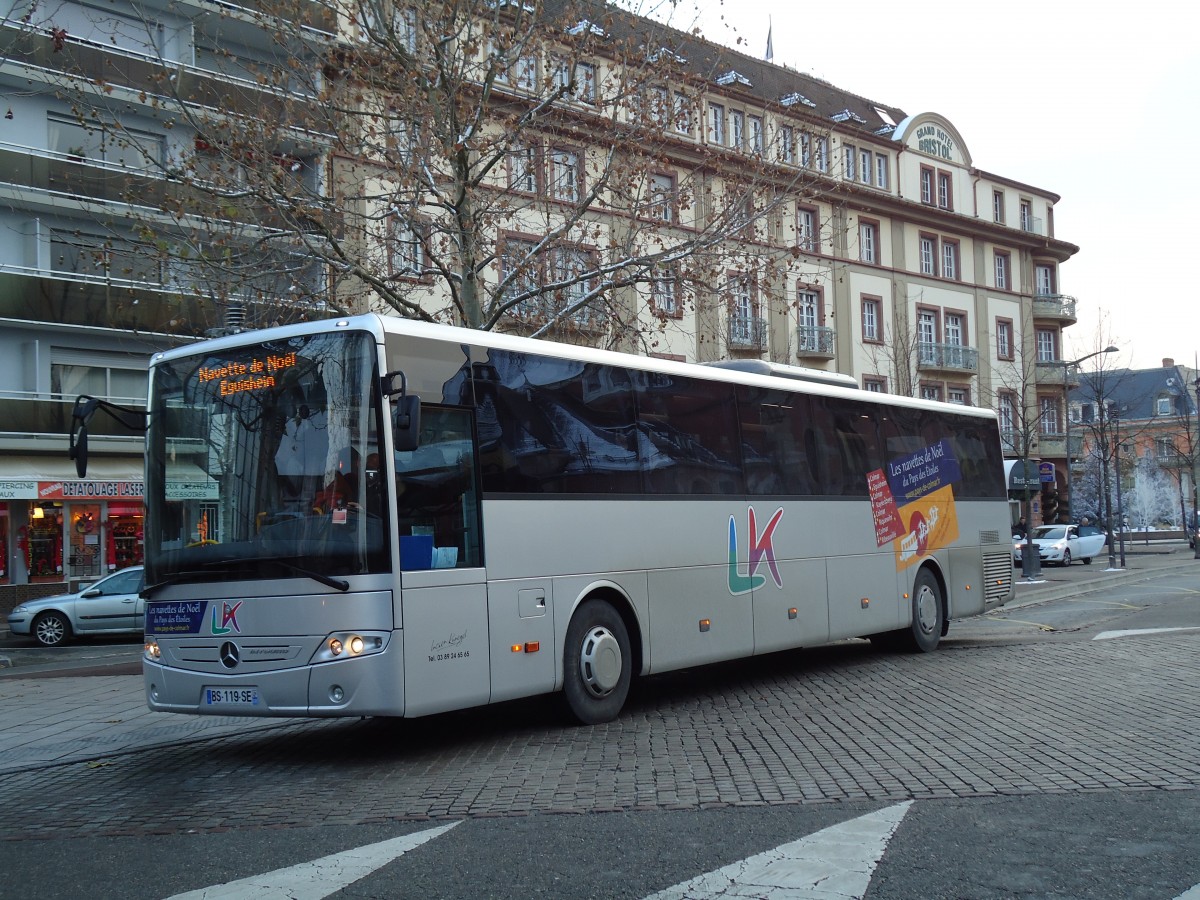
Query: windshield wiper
point(338, 583)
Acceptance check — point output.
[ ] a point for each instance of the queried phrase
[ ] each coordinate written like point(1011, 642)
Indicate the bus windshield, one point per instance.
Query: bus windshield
point(263, 461)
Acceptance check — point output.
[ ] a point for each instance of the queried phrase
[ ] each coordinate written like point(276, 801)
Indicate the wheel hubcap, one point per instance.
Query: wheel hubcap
point(600, 661)
point(50, 631)
point(927, 610)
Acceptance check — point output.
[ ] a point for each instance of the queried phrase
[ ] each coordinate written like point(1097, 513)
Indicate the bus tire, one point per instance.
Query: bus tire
point(928, 614)
point(597, 663)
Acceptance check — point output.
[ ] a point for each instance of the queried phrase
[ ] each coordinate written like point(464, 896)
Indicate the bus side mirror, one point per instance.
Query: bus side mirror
point(79, 451)
point(406, 422)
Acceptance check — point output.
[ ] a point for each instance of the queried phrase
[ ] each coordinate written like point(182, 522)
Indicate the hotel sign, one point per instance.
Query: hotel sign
point(934, 141)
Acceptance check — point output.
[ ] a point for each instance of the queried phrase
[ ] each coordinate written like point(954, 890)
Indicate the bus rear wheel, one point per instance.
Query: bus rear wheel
point(597, 663)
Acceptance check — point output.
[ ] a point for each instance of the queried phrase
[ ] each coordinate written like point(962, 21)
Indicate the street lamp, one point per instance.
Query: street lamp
point(1067, 366)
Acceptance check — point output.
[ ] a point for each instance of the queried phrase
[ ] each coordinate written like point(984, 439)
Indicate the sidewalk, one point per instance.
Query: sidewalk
point(47, 720)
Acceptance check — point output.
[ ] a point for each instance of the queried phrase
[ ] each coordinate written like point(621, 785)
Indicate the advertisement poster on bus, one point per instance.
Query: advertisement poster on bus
point(913, 503)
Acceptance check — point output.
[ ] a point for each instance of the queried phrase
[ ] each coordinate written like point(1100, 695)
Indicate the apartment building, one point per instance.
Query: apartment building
point(770, 215)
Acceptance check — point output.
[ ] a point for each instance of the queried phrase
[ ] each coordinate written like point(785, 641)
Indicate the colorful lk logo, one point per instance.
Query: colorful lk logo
point(760, 547)
point(228, 617)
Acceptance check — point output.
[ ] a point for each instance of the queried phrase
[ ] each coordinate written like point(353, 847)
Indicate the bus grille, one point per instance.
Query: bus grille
point(997, 575)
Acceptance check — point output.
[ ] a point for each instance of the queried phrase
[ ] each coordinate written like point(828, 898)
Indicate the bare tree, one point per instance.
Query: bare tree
point(531, 165)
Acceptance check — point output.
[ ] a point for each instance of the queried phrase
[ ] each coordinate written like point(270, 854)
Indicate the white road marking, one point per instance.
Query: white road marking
point(318, 878)
point(835, 863)
point(1107, 635)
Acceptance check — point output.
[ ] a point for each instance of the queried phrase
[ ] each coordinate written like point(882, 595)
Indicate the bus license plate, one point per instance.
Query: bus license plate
point(239, 696)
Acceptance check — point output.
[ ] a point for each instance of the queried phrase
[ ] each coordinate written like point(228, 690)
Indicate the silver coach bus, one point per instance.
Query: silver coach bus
point(376, 516)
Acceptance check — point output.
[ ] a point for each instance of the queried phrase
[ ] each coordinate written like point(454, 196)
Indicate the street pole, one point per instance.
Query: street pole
point(1117, 474)
point(1067, 366)
point(1108, 512)
point(1195, 481)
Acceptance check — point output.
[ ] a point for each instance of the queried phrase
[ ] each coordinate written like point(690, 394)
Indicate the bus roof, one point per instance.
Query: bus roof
point(752, 372)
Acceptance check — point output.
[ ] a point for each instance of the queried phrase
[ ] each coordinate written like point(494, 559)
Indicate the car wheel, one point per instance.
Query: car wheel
point(1066, 557)
point(597, 663)
point(1087, 560)
point(51, 629)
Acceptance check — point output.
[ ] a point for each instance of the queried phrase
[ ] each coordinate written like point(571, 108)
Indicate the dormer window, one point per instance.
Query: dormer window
point(586, 27)
point(1162, 406)
point(794, 98)
point(847, 115)
point(733, 77)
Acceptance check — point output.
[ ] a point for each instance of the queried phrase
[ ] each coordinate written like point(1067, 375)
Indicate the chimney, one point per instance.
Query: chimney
point(1168, 363)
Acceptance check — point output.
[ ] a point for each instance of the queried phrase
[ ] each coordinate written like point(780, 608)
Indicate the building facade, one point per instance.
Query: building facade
point(872, 243)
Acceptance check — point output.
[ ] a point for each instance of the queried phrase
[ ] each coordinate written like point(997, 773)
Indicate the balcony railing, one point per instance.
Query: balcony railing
point(954, 357)
point(814, 340)
point(34, 416)
point(747, 332)
point(1053, 306)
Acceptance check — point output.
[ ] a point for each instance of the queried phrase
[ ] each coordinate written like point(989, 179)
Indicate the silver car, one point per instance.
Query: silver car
point(109, 606)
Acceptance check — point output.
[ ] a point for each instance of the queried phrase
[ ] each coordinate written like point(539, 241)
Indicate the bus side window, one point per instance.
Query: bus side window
point(436, 493)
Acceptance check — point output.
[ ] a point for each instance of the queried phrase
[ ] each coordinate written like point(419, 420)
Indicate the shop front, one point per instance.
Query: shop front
point(62, 532)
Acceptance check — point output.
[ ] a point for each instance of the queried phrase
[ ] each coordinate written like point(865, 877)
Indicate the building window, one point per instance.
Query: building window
point(737, 130)
point(125, 148)
point(564, 174)
point(821, 153)
point(927, 185)
point(808, 229)
point(74, 372)
point(882, 164)
point(1163, 406)
point(1047, 345)
point(874, 384)
point(756, 135)
point(864, 166)
point(1043, 280)
point(809, 317)
point(571, 265)
point(871, 308)
point(931, 392)
point(955, 329)
point(662, 197)
point(658, 105)
point(519, 269)
point(1049, 419)
point(683, 114)
point(1006, 412)
point(1004, 339)
point(716, 124)
point(744, 327)
point(1026, 216)
point(850, 163)
point(998, 207)
point(805, 149)
point(927, 335)
point(957, 395)
point(521, 73)
point(407, 256)
point(787, 144)
point(945, 199)
point(1164, 448)
point(928, 255)
point(868, 242)
point(576, 81)
point(1001, 270)
point(523, 169)
point(950, 259)
point(664, 294)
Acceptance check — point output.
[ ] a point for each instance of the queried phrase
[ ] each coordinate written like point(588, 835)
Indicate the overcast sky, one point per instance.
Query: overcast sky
point(1097, 102)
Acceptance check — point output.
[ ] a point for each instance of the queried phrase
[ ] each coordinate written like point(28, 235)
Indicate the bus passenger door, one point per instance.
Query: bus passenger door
point(521, 619)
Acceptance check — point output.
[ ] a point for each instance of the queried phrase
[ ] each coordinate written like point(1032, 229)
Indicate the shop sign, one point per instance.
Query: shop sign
point(1046, 471)
point(90, 490)
point(18, 490)
point(191, 490)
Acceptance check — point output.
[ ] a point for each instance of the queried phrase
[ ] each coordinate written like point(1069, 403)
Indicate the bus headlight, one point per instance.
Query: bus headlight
point(350, 644)
point(151, 650)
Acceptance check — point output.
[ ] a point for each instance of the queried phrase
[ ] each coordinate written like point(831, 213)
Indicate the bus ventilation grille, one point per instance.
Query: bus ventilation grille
point(997, 574)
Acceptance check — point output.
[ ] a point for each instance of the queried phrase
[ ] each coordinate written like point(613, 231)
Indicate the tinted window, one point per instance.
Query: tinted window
point(555, 425)
point(687, 435)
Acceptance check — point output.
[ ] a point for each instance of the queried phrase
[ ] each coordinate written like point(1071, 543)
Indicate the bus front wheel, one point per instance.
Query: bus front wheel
point(597, 663)
point(928, 613)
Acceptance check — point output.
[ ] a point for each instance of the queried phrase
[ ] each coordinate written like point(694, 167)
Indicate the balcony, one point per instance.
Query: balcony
point(814, 342)
point(1056, 371)
point(946, 357)
point(1059, 307)
point(30, 416)
point(747, 333)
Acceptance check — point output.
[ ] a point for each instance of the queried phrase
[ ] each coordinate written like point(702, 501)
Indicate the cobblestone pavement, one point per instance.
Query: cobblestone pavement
point(82, 756)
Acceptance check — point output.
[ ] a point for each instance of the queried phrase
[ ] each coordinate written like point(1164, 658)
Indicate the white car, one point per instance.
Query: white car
point(1063, 543)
